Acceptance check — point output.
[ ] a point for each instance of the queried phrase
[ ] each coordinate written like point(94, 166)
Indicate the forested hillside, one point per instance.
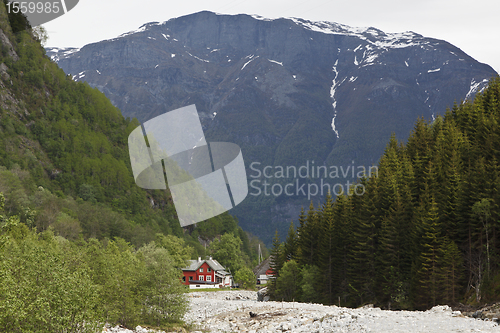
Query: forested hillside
point(425, 232)
point(80, 243)
point(64, 156)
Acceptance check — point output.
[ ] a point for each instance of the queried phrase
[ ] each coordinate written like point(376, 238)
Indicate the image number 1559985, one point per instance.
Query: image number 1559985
point(34, 7)
point(39, 12)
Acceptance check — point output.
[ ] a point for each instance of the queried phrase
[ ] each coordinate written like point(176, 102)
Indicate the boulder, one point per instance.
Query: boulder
point(262, 294)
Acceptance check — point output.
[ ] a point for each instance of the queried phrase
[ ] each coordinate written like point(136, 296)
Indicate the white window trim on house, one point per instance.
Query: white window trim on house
point(201, 277)
point(209, 278)
point(201, 270)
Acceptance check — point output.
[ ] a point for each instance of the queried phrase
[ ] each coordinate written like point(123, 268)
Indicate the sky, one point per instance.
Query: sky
point(473, 26)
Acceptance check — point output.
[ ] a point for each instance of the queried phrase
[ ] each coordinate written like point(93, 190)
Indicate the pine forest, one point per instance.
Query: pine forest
point(426, 230)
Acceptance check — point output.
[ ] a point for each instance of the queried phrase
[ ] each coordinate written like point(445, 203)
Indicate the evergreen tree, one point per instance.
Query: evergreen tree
point(301, 238)
point(326, 250)
point(451, 268)
point(342, 240)
point(291, 243)
point(389, 261)
point(277, 261)
point(308, 237)
point(450, 189)
point(364, 235)
point(427, 277)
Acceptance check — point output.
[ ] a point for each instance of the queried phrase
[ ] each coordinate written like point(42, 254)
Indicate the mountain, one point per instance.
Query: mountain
point(290, 92)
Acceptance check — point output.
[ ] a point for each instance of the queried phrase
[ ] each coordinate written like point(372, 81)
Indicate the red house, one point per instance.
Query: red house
point(205, 274)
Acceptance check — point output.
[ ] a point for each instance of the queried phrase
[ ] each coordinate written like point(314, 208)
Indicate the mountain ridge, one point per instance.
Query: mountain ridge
point(287, 91)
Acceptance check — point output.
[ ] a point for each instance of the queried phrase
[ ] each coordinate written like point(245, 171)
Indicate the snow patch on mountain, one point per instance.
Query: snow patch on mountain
point(61, 52)
point(276, 62)
point(475, 87)
point(249, 61)
point(260, 18)
point(370, 35)
point(142, 28)
point(332, 96)
point(370, 60)
point(196, 57)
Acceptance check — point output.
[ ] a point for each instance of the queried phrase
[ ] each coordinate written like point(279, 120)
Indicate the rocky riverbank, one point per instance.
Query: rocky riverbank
point(239, 311)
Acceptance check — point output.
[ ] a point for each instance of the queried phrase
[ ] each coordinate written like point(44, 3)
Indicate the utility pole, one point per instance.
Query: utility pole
point(260, 255)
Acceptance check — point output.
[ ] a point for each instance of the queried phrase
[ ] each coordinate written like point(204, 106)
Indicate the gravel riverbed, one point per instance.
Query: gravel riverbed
point(229, 311)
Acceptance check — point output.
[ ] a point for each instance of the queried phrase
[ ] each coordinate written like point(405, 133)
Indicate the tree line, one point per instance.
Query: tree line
point(424, 233)
point(50, 284)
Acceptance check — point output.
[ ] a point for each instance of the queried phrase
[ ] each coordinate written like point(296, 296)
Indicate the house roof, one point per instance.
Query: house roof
point(193, 265)
point(262, 267)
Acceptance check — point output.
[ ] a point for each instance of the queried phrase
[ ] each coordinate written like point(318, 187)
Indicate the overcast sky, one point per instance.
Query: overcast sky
point(473, 26)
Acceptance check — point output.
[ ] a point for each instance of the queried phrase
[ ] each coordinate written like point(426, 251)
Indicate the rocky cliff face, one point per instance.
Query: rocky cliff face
point(288, 91)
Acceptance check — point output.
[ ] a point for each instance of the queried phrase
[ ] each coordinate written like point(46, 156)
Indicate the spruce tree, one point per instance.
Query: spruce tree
point(308, 235)
point(450, 189)
point(326, 250)
point(291, 243)
point(276, 262)
point(342, 241)
point(451, 270)
point(389, 274)
point(301, 229)
point(407, 230)
point(427, 278)
point(362, 254)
